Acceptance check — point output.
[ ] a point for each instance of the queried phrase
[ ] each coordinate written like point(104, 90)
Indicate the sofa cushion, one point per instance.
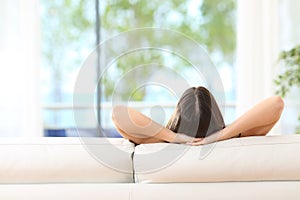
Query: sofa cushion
point(61, 159)
point(264, 190)
point(261, 158)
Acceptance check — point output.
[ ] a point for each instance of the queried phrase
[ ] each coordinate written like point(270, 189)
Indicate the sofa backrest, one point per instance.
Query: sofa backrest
point(260, 158)
point(65, 160)
point(116, 160)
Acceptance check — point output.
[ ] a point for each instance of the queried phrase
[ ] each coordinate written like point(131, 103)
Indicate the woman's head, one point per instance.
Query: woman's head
point(197, 114)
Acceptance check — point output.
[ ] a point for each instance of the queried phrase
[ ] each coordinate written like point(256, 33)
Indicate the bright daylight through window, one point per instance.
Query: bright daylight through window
point(68, 34)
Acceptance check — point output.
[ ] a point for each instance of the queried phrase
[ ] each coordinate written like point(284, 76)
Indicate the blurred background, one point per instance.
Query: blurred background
point(43, 45)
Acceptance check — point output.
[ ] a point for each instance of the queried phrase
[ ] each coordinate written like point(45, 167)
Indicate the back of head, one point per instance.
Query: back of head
point(197, 114)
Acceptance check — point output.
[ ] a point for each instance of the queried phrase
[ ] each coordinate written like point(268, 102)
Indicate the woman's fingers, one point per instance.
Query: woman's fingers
point(196, 142)
point(183, 138)
point(197, 139)
point(207, 140)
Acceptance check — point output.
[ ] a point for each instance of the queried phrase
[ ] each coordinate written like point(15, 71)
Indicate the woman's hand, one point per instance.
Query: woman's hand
point(202, 141)
point(207, 140)
point(182, 138)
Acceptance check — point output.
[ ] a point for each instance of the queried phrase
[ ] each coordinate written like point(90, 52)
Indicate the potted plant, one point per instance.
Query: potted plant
point(290, 74)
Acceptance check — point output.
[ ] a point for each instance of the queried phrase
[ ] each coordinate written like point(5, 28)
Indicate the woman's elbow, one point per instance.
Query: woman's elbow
point(116, 111)
point(278, 104)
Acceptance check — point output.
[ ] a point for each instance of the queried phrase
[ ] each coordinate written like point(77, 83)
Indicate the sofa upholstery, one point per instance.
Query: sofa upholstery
point(62, 160)
point(270, 158)
point(265, 167)
point(260, 190)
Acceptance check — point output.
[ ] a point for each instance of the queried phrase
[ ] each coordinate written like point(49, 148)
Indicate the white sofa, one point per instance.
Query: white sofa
point(101, 168)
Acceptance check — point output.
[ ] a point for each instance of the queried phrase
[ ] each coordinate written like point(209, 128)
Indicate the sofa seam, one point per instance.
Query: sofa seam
point(132, 163)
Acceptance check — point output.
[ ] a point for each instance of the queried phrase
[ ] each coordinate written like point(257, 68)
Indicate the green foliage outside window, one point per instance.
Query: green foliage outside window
point(290, 74)
point(70, 24)
point(65, 27)
point(211, 23)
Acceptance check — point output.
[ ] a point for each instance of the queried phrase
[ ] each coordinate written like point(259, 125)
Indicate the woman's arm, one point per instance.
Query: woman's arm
point(258, 121)
point(140, 129)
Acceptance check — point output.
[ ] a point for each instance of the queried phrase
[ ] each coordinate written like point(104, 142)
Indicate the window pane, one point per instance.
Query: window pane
point(209, 22)
point(67, 37)
point(289, 17)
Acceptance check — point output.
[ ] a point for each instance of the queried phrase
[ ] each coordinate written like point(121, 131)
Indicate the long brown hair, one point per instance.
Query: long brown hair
point(197, 114)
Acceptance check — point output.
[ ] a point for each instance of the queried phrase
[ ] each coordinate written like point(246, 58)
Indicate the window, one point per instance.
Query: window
point(68, 37)
point(67, 32)
point(289, 38)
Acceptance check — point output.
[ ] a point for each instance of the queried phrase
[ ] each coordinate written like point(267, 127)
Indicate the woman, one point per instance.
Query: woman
point(197, 120)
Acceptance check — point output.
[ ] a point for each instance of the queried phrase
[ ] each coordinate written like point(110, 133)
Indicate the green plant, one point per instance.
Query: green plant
point(290, 74)
point(210, 19)
point(298, 128)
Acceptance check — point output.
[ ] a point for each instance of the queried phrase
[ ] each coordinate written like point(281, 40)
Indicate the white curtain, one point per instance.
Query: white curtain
point(257, 51)
point(20, 109)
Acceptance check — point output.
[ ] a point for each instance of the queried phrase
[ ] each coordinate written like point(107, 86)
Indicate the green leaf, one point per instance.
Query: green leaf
point(298, 130)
